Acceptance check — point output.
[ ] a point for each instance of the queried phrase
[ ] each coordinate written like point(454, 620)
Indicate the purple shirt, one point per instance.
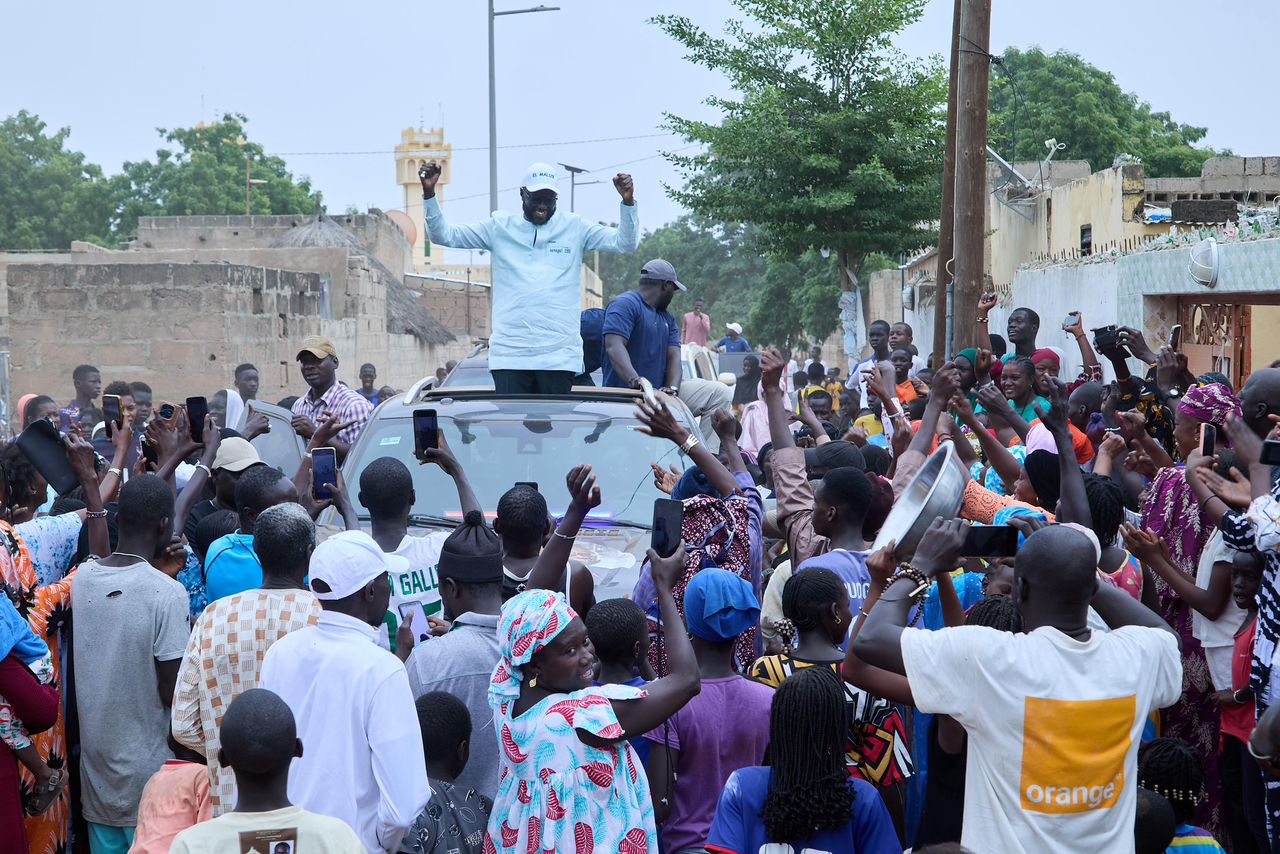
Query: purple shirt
point(852, 569)
point(724, 728)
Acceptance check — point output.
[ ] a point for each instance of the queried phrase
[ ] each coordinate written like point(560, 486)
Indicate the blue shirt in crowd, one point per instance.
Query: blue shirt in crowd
point(737, 825)
point(231, 566)
point(648, 333)
point(734, 345)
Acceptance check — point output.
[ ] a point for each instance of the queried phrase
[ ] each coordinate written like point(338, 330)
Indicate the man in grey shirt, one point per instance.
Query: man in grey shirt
point(462, 661)
point(128, 638)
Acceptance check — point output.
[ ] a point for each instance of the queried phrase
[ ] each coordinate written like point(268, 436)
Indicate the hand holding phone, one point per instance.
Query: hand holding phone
point(1270, 453)
point(1175, 337)
point(112, 413)
point(426, 431)
point(1208, 439)
point(668, 524)
point(197, 409)
point(324, 471)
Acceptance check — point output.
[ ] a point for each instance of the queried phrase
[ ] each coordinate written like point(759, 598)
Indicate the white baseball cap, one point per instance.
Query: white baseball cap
point(346, 562)
point(540, 176)
point(734, 327)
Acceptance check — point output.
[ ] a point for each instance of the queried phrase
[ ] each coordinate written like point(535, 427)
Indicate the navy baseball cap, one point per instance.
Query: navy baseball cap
point(662, 271)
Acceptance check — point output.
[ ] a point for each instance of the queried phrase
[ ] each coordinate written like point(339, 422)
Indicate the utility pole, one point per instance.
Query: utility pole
point(971, 167)
point(946, 229)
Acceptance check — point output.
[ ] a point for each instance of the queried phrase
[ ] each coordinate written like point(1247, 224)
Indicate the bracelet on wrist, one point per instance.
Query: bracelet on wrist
point(115, 471)
point(95, 514)
point(569, 537)
point(919, 593)
point(980, 320)
point(690, 443)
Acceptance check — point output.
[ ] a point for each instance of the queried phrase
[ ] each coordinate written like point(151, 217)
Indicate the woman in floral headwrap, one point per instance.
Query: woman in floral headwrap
point(1170, 512)
point(570, 782)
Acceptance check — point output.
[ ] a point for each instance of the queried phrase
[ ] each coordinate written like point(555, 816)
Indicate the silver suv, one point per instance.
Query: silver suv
point(501, 440)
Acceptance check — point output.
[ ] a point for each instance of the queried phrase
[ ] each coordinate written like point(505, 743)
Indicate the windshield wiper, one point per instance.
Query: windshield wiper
point(616, 523)
point(427, 520)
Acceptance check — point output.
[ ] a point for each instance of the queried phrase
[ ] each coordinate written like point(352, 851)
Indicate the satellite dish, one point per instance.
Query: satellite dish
point(401, 219)
point(1203, 265)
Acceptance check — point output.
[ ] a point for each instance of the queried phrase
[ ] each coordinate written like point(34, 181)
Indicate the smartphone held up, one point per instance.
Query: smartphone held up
point(324, 473)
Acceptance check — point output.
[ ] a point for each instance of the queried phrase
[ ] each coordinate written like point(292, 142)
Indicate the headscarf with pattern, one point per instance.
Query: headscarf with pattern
point(1210, 403)
point(529, 621)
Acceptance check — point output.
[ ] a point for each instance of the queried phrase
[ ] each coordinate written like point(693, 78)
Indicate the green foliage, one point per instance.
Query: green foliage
point(835, 141)
point(1079, 104)
point(207, 176)
point(49, 196)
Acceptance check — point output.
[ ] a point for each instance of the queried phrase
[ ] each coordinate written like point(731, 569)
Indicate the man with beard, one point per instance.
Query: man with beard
point(536, 346)
point(641, 338)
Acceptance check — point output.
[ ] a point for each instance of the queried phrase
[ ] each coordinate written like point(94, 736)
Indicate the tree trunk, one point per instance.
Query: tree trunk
point(852, 320)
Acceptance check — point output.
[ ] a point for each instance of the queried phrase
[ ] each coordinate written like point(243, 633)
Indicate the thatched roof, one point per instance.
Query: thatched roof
point(404, 314)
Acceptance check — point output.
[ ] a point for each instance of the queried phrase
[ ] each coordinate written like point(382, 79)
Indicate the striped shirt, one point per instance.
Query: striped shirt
point(1193, 840)
point(343, 403)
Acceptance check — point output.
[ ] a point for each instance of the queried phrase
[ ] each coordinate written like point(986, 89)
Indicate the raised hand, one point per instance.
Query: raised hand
point(666, 570)
point(876, 385)
point(771, 368)
point(625, 186)
point(1055, 417)
point(946, 382)
point(1146, 546)
point(1130, 338)
point(429, 174)
point(985, 303)
point(1076, 326)
point(256, 424)
point(939, 549)
point(1133, 425)
point(584, 494)
point(883, 564)
point(726, 426)
point(1112, 446)
point(1244, 441)
point(982, 366)
point(660, 423)
point(328, 428)
point(665, 480)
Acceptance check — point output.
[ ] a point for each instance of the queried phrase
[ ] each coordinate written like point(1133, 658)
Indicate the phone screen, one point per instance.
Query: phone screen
point(1175, 337)
point(324, 469)
point(668, 519)
point(426, 430)
point(1270, 453)
point(111, 413)
point(197, 411)
point(149, 451)
point(421, 627)
point(167, 411)
point(65, 419)
point(1208, 439)
point(990, 541)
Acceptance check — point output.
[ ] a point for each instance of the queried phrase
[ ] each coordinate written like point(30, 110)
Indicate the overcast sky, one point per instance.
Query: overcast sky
point(323, 76)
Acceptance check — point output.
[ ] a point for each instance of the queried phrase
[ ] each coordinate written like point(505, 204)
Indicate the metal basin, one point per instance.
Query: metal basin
point(936, 490)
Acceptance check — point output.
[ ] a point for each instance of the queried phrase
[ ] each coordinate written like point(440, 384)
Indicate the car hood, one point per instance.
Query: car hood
point(613, 554)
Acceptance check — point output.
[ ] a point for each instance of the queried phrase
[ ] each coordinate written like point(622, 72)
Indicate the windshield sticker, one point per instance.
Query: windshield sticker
point(389, 440)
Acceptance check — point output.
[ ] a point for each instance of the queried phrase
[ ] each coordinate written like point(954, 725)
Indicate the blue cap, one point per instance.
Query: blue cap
point(719, 606)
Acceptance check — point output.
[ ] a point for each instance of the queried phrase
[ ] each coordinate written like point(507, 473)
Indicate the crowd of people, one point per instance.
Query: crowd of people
point(185, 667)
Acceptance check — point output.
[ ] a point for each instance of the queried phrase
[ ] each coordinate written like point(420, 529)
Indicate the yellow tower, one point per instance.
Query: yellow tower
point(418, 146)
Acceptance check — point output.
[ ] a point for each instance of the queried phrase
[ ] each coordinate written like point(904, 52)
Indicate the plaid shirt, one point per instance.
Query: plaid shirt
point(344, 403)
point(223, 660)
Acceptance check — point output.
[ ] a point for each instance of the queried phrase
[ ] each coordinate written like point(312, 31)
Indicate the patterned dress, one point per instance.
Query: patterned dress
point(222, 661)
point(556, 793)
point(43, 596)
point(877, 750)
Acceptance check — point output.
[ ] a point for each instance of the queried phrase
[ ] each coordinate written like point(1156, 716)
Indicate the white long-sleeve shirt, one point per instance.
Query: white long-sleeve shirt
point(537, 279)
point(362, 758)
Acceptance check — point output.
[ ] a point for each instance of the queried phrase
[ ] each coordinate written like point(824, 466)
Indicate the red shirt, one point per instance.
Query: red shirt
point(1239, 720)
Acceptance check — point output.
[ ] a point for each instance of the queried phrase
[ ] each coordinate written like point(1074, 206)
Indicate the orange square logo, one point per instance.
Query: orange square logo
point(1073, 753)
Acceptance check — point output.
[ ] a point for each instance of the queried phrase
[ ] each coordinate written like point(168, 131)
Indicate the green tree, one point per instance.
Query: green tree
point(835, 139)
point(206, 175)
point(1037, 95)
point(49, 195)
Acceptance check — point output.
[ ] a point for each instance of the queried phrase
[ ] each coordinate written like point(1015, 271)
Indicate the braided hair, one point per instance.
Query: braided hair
point(1173, 768)
point(809, 789)
point(1106, 506)
point(20, 478)
point(806, 597)
point(996, 612)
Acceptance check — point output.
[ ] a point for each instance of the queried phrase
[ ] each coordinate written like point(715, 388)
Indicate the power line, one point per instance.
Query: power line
point(472, 147)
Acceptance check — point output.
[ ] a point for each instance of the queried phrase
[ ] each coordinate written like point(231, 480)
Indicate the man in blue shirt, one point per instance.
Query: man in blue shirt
point(733, 342)
point(535, 347)
point(642, 338)
point(231, 566)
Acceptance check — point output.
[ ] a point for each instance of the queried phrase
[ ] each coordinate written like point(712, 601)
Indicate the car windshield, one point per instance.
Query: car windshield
point(472, 373)
point(500, 445)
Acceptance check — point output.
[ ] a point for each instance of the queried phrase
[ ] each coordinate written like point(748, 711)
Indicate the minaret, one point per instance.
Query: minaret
point(418, 146)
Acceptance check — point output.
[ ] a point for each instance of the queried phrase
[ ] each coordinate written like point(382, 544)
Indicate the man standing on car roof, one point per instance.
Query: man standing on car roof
point(535, 346)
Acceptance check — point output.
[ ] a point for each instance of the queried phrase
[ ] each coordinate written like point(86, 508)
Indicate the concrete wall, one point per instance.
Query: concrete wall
point(183, 328)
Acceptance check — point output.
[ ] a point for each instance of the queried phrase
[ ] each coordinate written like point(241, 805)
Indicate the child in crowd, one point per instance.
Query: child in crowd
point(259, 742)
point(619, 631)
point(1174, 769)
point(724, 728)
point(453, 821)
point(804, 799)
point(16, 637)
point(1154, 824)
point(175, 798)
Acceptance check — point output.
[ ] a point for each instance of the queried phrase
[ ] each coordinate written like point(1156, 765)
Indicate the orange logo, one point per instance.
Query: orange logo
point(1073, 753)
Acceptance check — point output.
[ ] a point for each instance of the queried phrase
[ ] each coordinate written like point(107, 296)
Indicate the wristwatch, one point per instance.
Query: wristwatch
point(671, 390)
point(1174, 393)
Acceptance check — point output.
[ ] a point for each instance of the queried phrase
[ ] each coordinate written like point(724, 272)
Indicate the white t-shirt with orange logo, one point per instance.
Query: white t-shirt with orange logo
point(1053, 725)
